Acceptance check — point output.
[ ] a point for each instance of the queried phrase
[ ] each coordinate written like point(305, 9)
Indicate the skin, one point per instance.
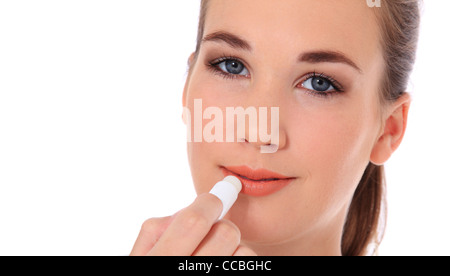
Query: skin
point(325, 142)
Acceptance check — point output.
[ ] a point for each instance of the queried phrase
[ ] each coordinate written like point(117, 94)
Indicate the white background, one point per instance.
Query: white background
point(92, 142)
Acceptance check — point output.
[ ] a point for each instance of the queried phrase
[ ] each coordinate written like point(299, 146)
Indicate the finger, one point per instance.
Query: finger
point(222, 240)
point(150, 232)
point(244, 251)
point(189, 227)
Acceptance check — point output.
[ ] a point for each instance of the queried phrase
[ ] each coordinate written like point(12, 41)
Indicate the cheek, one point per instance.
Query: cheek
point(334, 132)
point(333, 146)
point(206, 157)
point(200, 166)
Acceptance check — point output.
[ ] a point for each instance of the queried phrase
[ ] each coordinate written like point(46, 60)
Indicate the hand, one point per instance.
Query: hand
point(191, 231)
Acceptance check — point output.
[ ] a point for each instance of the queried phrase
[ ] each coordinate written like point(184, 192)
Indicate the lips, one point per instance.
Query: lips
point(260, 182)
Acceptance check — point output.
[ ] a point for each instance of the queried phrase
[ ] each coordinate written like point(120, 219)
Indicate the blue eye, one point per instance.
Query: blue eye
point(231, 67)
point(319, 84)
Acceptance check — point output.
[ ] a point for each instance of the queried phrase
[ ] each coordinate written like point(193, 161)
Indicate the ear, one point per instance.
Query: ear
point(393, 131)
point(186, 84)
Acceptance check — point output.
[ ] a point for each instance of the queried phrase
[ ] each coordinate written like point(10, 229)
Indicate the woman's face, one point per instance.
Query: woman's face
point(320, 63)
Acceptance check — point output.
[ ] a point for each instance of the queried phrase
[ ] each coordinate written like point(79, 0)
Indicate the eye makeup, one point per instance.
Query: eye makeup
point(234, 65)
point(319, 85)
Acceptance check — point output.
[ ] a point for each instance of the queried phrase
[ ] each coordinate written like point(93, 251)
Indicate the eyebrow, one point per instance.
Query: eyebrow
point(327, 56)
point(237, 42)
point(233, 40)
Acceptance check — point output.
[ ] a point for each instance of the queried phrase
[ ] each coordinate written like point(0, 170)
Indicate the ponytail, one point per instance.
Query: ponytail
point(365, 221)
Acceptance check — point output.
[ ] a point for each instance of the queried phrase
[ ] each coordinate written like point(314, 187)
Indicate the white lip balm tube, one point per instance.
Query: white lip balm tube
point(227, 191)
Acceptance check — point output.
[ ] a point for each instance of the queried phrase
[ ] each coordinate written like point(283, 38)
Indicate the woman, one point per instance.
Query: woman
point(337, 72)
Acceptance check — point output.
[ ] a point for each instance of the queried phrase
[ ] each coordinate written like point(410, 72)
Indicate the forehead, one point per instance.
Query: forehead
point(347, 26)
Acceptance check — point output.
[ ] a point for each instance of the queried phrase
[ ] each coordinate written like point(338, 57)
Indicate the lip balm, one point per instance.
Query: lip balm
point(227, 191)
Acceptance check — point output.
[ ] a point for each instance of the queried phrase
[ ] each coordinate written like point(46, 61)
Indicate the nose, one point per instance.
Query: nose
point(267, 136)
point(264, 98)
point(266, 94)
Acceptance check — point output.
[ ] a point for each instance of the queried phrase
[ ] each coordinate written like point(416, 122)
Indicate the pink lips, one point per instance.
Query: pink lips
point(260, 182)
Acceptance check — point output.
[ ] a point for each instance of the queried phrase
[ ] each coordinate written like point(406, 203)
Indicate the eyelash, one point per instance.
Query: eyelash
point(334, 83)
point(213, 66)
